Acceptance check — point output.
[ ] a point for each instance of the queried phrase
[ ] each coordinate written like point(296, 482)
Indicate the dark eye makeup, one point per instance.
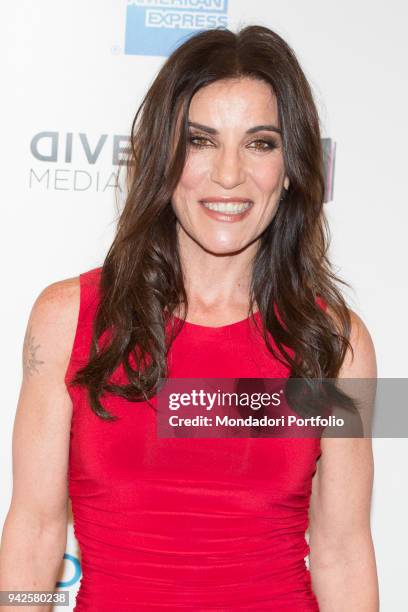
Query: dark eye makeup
point(268, 144)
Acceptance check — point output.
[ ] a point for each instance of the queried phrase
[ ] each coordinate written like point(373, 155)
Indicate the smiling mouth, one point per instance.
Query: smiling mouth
point(230, 208)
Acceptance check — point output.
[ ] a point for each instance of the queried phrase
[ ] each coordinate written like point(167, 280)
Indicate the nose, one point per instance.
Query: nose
point(228, 170)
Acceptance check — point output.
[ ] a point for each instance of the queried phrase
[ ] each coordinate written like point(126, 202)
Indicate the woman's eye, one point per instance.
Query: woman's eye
point(197, 141)
point(267, 145)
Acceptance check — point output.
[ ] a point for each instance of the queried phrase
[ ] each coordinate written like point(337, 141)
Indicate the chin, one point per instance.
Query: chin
point(222, 249)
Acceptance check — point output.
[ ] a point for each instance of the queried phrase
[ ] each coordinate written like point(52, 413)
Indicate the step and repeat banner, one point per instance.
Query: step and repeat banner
point(73, 76)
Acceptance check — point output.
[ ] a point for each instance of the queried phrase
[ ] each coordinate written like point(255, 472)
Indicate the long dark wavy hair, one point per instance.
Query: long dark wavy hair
point(141, 280)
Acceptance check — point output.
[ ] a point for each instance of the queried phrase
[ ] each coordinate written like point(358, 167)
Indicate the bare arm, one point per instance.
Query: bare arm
point(342, 558)
point(34, 533)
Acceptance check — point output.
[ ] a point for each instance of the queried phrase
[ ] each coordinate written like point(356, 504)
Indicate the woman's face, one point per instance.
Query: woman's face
point(234, 172)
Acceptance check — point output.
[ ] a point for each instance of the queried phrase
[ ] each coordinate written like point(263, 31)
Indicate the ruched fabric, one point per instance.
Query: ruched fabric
point(187, 524)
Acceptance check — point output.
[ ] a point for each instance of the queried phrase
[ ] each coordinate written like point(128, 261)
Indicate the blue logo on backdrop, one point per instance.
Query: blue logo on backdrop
point(157, 27)
point(77, 572)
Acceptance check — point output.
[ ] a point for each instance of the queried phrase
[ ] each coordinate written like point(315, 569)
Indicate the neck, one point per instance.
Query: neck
point(216, 282)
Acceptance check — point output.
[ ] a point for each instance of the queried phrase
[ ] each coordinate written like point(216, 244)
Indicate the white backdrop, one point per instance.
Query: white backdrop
point(72, 69)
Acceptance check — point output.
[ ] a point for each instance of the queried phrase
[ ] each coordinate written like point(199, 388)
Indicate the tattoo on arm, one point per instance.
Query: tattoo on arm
point(30, 348)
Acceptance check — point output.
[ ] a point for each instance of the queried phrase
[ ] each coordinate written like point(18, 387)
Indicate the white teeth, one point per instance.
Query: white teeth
point(228, 207)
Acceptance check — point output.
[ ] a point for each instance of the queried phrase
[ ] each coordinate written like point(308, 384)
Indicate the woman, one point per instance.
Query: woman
point(223, 227)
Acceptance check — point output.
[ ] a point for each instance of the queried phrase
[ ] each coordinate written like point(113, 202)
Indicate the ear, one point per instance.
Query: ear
point(286, 183)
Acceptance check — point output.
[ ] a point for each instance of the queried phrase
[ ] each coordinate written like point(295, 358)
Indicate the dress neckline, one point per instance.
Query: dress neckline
point(218, 328)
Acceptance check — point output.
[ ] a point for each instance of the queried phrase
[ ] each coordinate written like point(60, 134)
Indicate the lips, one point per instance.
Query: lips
point(231, 208)
point(226, 209)
point(227, 205)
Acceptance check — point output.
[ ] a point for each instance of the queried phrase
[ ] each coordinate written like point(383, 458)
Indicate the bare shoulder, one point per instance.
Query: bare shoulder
point(360, 359)
point(51, 327)
point(62, 293)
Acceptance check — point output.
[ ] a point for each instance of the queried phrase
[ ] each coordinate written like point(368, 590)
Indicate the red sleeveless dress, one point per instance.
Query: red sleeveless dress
point(187, 524)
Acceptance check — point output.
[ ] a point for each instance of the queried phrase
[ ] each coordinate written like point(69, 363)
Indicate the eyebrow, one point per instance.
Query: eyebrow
point(252, 130)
